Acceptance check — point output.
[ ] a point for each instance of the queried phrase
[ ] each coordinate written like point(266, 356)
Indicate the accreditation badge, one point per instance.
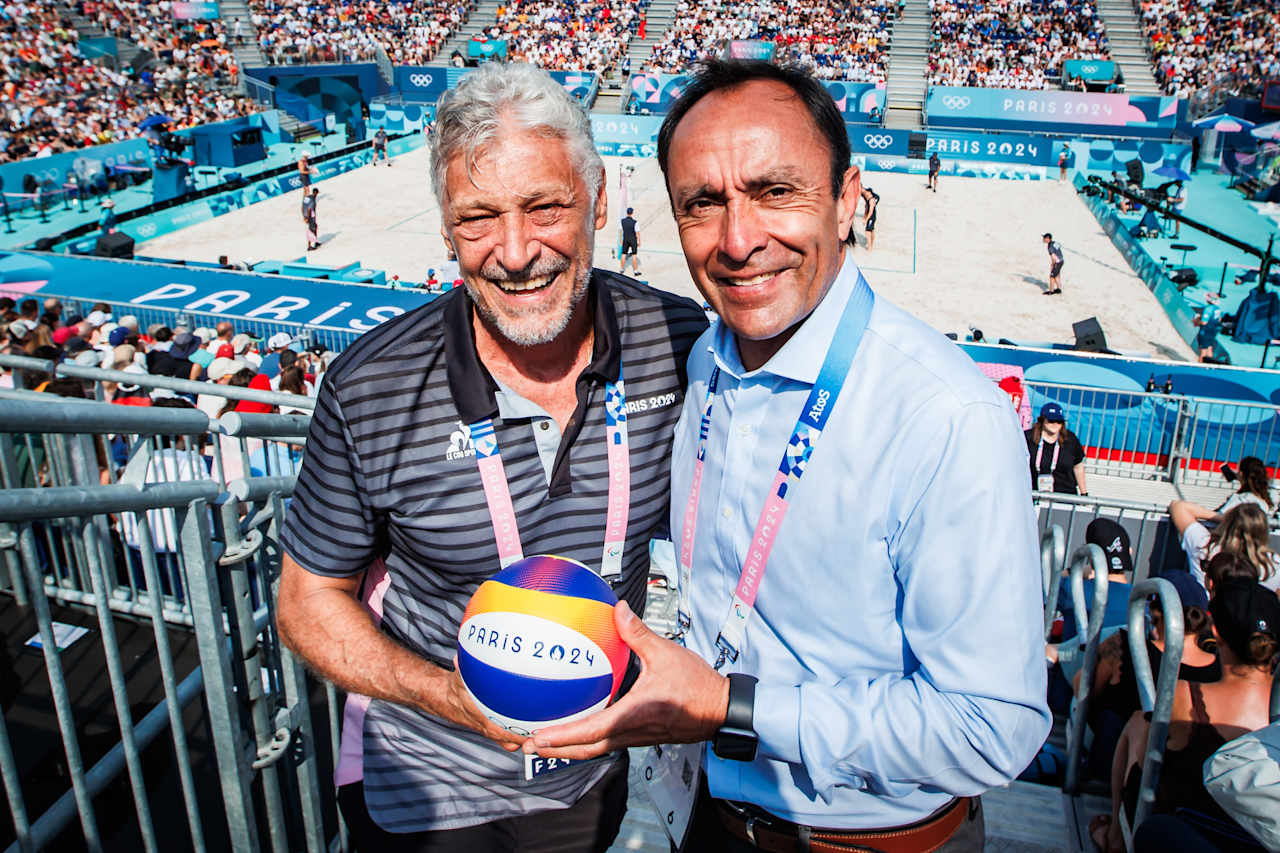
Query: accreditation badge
point(671, 773)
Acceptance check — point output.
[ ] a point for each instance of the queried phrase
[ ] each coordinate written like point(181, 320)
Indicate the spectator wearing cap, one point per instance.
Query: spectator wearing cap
point(107, 218)
point(242, 346)
point(22, 339)
point(1057, 457)
point(1246, 631)
point(131, 393)
point(77, 349)
point(220, 372)
point(97, 317)
point(276, 344)
point(1113, 539)
point(118, 336)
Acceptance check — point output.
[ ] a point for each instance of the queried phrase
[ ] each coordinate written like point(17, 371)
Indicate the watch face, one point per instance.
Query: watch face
point(735, 744)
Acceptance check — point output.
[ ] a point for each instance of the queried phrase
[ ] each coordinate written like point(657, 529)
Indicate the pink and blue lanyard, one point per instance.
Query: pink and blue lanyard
point(497, 491)
point(813, 419)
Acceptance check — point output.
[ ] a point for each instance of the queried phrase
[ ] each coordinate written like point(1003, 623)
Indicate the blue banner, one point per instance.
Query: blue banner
point(1104, 156)
point(1091, 70)
point(84, 162)
point(399, 118)
point(196, 11)
point(426, 83)
point(750, 49)
point(625, 136)
point(1053, 111)
point(1009, 148)
point(487, 48)
point(655, 93)
point(265, 299)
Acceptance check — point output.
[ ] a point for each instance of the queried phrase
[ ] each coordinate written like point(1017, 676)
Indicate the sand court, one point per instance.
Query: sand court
point(969, 255)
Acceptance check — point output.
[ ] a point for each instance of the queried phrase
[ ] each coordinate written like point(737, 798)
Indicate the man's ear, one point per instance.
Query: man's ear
point(847, 201)
point(444, 235)
point(602, 203)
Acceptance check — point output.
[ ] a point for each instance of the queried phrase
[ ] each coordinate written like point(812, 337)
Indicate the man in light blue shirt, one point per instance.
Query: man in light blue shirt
point(891, 669)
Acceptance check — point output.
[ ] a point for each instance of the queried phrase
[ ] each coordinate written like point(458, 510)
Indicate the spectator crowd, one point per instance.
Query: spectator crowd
point(1225, 576)
point(55, 98)
point(1215, 48)
point(837, 40)
point(411, 32)
point(1011, 44)
point(217, 355)
point(559, 35)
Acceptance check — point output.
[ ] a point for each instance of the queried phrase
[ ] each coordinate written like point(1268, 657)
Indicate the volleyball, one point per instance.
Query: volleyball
point(537, 645)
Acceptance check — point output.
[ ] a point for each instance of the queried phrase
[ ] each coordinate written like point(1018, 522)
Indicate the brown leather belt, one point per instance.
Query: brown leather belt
point(766, 832)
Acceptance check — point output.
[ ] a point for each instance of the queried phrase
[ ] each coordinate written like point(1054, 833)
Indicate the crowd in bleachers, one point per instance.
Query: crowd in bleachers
point(410, 32)
point(1011, 44)
point(1225, 576)
point(555, 34)
point(841, 39)
point(216, 355)
point(55, 99)
point(1227, 45)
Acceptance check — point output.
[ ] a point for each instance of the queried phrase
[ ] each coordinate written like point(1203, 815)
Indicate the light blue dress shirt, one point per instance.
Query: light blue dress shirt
point(898, 630)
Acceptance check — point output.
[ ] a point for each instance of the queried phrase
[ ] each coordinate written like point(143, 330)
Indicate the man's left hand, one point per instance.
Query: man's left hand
point(678, 698)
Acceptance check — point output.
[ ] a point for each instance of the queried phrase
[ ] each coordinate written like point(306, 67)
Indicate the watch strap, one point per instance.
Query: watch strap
point(742, 702)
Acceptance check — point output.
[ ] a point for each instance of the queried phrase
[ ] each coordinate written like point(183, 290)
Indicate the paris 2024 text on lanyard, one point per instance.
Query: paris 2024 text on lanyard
point(666, 769)
point(497, 494)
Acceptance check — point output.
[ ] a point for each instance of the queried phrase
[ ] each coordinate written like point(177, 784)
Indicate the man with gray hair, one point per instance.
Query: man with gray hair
point(392, 529)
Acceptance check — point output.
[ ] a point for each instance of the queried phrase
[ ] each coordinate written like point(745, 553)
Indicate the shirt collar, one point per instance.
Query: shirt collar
point(474, 390)
point(800, 358)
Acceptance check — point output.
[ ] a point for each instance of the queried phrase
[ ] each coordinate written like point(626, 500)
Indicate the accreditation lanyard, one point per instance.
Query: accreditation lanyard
point(808, 429)
point(1053, 464)
point(497, 491)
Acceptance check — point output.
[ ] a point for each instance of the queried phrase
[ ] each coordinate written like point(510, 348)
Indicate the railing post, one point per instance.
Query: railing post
point(232, 748)
point(1089, 555)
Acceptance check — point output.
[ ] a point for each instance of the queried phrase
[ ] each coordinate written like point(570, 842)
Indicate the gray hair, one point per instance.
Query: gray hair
point(471, 115)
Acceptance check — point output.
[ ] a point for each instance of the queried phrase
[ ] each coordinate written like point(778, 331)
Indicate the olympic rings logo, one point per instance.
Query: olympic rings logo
point(1088, 69)
point(877, 140)
point(420, 80)
point(887, 164)
point(955, 102)
point(147, 229)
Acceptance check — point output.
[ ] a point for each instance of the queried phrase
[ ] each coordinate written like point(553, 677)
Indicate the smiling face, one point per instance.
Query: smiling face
point(762, 231)
point(521, 226)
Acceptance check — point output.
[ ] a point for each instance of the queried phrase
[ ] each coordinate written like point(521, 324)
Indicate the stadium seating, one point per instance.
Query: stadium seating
point(1221, 48)
point(842, 39)
point(589, 36)
point(411, 32)
point(1011, 44)
point(55, 99)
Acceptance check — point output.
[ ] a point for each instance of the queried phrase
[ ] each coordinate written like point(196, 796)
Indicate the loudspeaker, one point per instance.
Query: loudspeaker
point(1089, 337)
point(117, 244)
point(916, 144)
point(1136, 172)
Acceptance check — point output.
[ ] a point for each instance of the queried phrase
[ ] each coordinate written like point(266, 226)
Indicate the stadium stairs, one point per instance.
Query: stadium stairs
point(908, 67)
point(1128, 47)
point(249, 54)
point(89, 29)
point(483, 14)
point(659, 15)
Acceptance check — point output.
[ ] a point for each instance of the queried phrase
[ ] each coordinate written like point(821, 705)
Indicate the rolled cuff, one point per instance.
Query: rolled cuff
point(776, 719)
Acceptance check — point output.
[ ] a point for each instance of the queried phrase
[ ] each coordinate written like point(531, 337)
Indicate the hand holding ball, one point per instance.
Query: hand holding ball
point(538, 646)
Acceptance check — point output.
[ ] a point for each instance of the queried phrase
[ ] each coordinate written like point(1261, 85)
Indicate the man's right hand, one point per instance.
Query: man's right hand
point(462, 709)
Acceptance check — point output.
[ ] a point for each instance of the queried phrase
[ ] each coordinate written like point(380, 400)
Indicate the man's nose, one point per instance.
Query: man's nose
point(516, 247)
point(743, 233)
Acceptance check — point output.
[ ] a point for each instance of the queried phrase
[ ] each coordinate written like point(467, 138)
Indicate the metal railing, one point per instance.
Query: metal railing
point(1163, 436)
point(1091, 557)
point(197, 554)
point(1156, 696)
point(1153, 540)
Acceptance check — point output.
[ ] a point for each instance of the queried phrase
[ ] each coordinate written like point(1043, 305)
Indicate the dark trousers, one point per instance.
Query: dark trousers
point(708, 835)
point(588, 826)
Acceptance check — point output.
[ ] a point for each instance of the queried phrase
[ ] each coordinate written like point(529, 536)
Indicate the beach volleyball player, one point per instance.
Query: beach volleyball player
point(452, 440)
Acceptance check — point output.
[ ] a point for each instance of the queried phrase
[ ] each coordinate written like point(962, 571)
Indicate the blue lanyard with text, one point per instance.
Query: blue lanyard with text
point(497, 491)
point(804, 437)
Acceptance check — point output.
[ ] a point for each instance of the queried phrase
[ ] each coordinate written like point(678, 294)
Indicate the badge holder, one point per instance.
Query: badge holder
point(670, 773)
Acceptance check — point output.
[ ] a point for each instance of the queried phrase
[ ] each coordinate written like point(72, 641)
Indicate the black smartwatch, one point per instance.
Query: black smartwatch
point(736, 740)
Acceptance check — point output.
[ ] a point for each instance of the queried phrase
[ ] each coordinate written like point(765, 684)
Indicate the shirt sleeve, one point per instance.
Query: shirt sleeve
point(971, 712)
point(331, 529)
point(1195, 542)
